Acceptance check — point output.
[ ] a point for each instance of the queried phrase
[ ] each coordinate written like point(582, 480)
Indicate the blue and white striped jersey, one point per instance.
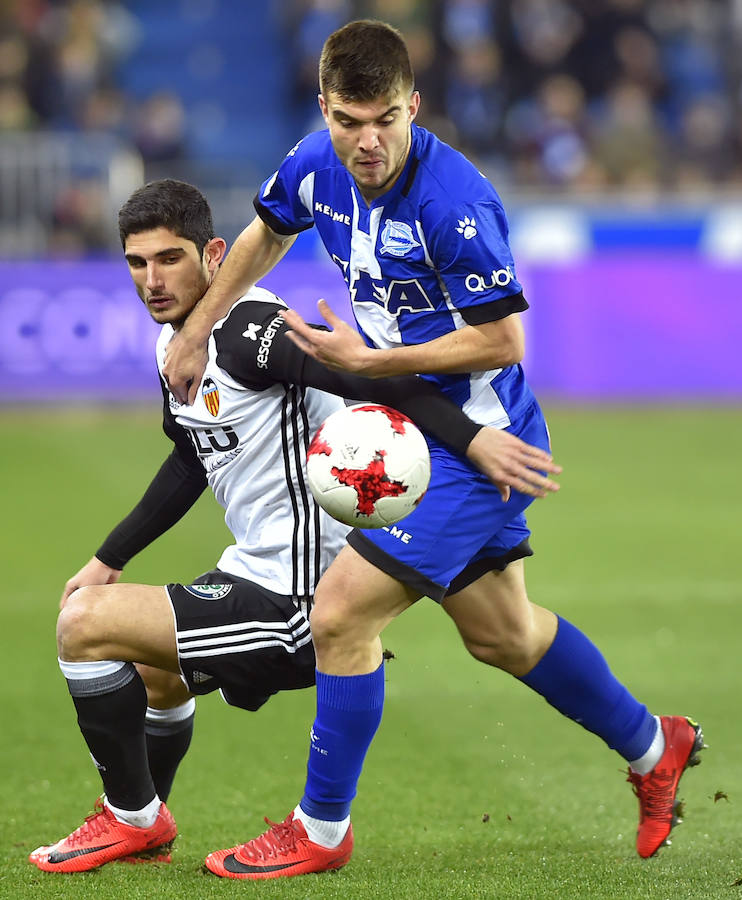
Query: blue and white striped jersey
point(429, 256)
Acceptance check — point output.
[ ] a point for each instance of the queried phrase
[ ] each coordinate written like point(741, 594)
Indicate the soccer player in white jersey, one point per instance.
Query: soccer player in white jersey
point(243, 627)
point(421, 239)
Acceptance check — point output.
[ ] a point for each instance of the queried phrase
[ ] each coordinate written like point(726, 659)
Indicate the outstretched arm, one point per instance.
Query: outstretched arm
point(255, 252)
point(504, 458)
point(474, 348)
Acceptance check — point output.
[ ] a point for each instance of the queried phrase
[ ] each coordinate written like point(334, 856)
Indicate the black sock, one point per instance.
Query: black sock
point(167, 744)
point(110, 713)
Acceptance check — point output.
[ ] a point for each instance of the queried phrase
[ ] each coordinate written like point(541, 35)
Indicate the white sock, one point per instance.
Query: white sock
point(326, 834)
point(649, 760)
point(139, 818)
point(173, 715)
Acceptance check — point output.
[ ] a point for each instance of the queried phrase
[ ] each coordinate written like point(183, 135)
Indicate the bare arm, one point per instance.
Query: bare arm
point(474, 348)
point(255, 252)
point(504, 458)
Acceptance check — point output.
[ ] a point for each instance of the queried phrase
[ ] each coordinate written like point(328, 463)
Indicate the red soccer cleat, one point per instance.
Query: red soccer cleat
point(658, 809)
point(102, 839)
point(280, 852)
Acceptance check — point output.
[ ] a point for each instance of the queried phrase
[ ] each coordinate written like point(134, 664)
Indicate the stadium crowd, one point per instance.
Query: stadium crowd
point(566, 93)
point(546, 95)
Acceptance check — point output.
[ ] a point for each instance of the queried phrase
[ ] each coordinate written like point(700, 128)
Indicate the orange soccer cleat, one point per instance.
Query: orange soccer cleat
point(280, 852)
point(656, 791)
point(102, 839)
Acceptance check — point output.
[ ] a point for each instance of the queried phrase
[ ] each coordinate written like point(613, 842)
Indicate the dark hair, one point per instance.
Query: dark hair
point(365, 60)
point(176, 205)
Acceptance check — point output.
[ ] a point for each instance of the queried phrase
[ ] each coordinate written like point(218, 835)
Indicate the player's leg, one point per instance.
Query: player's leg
point(101, 631)
point(168, 725)
point(354, 602)
point(501, 627)
point(498, 624)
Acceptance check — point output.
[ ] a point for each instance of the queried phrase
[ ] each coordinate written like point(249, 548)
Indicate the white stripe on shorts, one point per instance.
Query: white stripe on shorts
point(242, 637)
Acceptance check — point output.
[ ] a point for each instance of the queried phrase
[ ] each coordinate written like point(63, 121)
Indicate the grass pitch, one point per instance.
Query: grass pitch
point(474, 787)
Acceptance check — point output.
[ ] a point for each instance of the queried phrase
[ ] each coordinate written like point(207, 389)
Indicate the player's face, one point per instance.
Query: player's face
point(371, 139)
point(169, 273)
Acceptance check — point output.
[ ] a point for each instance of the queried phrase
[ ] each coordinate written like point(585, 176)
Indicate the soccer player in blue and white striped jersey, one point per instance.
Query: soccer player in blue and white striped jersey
point(421, 240)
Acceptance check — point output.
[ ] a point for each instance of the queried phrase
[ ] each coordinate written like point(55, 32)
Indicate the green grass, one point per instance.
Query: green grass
point(474, 787)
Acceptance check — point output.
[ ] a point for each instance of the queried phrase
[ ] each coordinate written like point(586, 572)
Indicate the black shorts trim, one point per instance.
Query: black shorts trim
point(399, 570)
point(480, 567)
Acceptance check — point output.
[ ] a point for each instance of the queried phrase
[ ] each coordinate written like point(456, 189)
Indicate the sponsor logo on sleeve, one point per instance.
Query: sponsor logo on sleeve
point(266, 341)
point(477, 284)
point(251, 332)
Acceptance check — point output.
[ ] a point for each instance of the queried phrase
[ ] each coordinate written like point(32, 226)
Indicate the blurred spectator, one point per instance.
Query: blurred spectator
point(308, 22)
point(548, 135)
point(105, 109)
point(627, 142)
point(475, 100)
point(88, 39)
point(159, 130)
point(15, 112)
point(418, 23)
point(81, 219)
point(706, 152)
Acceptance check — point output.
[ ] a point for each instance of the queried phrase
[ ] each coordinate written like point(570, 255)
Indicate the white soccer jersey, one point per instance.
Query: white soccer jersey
point(252, 444)
point(260, 401)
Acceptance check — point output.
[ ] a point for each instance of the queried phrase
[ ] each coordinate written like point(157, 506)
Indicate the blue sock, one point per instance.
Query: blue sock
point(348, 714)
point(574, 678)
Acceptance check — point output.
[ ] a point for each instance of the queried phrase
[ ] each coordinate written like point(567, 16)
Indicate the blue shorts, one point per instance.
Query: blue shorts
point(461, 529)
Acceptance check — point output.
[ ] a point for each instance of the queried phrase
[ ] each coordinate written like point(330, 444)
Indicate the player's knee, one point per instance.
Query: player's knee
point(338, 628)
point(515, 650)
point(77, 628)
point(327, 623)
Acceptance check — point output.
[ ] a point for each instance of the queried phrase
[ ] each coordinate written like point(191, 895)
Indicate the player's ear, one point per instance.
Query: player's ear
point(214, 251)
point(414, 104)
point(323, 108)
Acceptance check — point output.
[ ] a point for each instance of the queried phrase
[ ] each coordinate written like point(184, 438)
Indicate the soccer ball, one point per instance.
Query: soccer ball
point(368, 465)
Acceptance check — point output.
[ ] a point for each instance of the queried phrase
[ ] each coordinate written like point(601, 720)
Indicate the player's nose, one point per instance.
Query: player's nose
point(369, 138)
point(154, 277)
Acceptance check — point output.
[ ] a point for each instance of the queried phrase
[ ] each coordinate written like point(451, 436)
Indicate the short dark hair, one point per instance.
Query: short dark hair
point(176, 205)
point(365, 60)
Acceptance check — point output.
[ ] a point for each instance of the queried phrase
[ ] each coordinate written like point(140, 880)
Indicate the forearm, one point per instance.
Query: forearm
point(254, 253)
point(469, 349)
point(417, 398)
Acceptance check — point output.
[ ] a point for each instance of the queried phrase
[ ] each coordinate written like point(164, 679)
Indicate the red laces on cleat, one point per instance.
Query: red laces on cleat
point(102, 838)
point(283, 850)
point(279, 839)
